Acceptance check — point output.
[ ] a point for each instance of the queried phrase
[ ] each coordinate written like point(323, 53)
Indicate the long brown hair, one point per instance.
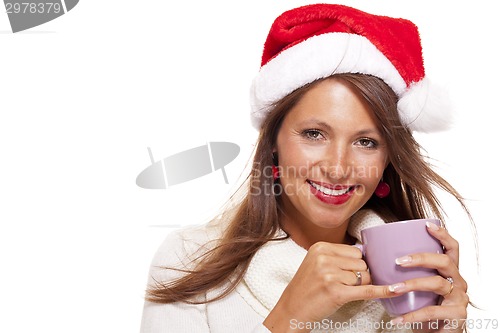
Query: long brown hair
point(254, 220)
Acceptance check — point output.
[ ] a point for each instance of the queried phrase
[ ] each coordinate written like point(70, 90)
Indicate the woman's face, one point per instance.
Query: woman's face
point(331, 158)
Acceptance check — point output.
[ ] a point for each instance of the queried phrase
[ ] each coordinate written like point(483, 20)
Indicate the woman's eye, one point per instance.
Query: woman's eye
point(312, 134)
point(367, 143)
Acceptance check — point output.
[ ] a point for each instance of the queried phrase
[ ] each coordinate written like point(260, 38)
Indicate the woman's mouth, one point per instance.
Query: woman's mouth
point(332, 194)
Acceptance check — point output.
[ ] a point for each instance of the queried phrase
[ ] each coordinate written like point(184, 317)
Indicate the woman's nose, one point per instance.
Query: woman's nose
point(335, 163)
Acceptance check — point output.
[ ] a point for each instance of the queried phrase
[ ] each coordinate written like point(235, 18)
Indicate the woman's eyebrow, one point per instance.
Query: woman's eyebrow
point(322, 124)
point(368, 131)
point(315, 122)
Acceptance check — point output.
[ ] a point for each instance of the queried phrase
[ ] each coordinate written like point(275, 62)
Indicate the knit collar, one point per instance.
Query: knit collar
point(276, 262)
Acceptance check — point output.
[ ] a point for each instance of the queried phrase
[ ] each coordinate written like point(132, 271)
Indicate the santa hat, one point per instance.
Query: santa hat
point(315, 41)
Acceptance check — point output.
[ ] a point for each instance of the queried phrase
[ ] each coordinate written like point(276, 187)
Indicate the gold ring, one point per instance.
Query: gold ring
point(358, 278)
point(450, 280)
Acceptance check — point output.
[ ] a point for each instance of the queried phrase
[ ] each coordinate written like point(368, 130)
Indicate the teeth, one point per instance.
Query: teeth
point(329, 191)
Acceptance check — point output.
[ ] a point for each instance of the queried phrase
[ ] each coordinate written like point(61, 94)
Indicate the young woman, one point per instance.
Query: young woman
point(337, 98)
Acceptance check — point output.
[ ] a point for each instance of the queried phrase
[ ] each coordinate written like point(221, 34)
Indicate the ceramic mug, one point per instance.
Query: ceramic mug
point(383, 244)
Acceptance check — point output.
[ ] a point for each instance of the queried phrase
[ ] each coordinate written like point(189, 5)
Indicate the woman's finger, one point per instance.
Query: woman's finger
point(357, 278)
point(443, 263)
point(436, 284)
point(342, 250)
point(449, 243)
point(347, 264)
point(455, 313)
point(368, 292)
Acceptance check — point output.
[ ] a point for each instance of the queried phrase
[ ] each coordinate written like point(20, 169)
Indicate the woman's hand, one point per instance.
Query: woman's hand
point(450, 316)
point(324, 282)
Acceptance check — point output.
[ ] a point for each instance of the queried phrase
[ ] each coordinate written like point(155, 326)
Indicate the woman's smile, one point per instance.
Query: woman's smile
point(332, 194)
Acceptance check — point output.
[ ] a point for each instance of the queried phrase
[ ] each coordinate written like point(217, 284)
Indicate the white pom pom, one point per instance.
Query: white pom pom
point(425, 107)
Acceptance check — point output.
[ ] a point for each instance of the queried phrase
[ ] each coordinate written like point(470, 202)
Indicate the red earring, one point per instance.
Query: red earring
point(276, 172)
point(383, 189)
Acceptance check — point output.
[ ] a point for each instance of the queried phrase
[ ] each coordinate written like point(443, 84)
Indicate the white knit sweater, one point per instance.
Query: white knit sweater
point(244, 309)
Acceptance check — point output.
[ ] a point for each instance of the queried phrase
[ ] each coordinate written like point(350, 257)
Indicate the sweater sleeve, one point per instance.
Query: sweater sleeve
point(177, 251)
point(173, 317)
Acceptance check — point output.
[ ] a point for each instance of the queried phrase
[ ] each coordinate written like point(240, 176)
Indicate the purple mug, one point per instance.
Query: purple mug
point(383, 244)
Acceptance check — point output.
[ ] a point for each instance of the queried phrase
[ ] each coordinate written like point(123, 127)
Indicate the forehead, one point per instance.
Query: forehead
point(335, 103)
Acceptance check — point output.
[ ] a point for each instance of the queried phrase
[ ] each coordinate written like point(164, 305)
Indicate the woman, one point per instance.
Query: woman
point(336, 100)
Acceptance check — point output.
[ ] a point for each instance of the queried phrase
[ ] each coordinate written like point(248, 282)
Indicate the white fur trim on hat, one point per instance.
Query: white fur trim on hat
point(420, 108)
point(425, 107)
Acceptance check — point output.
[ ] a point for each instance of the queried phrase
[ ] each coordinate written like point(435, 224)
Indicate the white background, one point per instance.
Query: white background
point(83, 96)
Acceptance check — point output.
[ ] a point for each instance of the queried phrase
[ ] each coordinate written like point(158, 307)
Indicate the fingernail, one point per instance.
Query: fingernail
point(397, 287)
point(432, 226)
point(397, 320)
point(403, 260)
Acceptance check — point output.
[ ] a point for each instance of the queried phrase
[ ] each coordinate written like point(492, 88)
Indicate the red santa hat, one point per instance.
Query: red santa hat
point(315, 41)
